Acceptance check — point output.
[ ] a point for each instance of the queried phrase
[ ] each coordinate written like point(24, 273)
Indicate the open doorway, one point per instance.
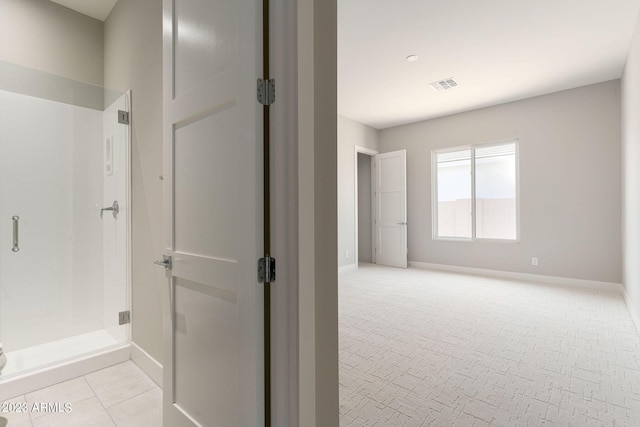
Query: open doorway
point(380, 208)
point(364, 231)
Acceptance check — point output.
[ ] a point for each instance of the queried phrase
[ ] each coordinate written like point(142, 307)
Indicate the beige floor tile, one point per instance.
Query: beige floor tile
point(85, 413)
point(16, 411)
point(118, 383)
point(144, 410)
point(71, 391)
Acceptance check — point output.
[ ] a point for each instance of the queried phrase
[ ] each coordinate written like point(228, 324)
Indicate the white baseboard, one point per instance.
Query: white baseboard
point(148, 364)
point(347, 268)
point(634, 315)
point(550, 280)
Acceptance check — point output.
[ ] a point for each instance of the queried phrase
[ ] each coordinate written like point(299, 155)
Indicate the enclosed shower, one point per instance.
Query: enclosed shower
point(64, 222)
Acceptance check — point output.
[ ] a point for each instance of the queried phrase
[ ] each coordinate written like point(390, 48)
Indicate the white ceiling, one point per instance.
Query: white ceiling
point(497, 50)
point(98, 9)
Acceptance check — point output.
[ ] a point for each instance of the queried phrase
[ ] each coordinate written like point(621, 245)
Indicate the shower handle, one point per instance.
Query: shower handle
point(114, 209)
point(15, 220)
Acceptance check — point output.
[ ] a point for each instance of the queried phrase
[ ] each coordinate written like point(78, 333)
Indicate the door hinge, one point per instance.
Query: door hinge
point(123, 117)
point(266, 91)
point(124, 317)
point(266, 270)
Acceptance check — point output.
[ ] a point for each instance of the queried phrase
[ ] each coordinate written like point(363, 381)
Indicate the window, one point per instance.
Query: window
point(475, 192)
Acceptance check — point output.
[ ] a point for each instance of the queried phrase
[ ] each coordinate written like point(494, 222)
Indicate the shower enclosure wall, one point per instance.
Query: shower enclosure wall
point(64, 279)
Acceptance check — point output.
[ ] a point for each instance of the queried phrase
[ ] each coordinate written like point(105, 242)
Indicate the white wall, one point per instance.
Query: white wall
point(52, 287)
point(570, 184)
point(43, 35)
point(133, 60)
point(631, 174)
point(63, 295)
point(87, 191)
point(350, 135)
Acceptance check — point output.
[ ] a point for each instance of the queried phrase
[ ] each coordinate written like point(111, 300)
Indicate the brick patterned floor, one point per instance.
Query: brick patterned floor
point(423, 348)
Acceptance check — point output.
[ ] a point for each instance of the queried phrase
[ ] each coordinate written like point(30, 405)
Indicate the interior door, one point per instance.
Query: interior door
point(213, 369)
point(390, 176)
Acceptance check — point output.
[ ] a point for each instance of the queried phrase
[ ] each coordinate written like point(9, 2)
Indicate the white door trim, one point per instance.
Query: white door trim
point(317, 213)
point(284, 215)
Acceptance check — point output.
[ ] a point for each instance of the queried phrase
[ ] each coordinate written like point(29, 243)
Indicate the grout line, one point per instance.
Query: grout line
point(30, 416)
point(106, 409)
point(100, 400)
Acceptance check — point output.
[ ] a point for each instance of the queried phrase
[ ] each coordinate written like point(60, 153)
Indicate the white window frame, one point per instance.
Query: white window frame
point(472, 177)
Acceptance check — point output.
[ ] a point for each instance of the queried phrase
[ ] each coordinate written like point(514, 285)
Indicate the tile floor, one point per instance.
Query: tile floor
point(121, 395)
point(420, 348)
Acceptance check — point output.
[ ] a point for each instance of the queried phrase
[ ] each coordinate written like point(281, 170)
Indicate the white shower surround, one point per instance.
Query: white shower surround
point(52, 176)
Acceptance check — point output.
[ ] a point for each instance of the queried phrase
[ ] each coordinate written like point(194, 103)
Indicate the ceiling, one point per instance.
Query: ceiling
point(497, 50)
point(98, 9)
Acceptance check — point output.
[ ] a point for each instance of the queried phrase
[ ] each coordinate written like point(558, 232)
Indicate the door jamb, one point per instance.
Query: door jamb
point(285, 352)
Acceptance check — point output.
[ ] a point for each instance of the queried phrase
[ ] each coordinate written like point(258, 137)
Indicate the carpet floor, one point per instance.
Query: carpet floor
point(426, 348)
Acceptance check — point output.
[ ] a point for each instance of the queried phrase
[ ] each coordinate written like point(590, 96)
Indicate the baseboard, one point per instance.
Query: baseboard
point(347, 268)
point(537, 278)
point(147, 363)
point(634, 315)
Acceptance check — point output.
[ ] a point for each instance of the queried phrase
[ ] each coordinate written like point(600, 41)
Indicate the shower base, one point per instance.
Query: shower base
point(43, 365)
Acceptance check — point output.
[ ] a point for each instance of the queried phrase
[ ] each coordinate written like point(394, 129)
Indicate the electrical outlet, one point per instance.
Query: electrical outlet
point(534, 261)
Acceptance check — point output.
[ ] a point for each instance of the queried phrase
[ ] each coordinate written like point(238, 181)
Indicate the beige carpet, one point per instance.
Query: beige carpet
point(421, 348)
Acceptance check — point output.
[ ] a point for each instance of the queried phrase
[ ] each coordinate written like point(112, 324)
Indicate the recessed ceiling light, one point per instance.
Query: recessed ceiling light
point(412, 58)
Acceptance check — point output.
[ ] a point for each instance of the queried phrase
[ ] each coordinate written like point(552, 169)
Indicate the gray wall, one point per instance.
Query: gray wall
point(133, 60)
point(350, 135)
point(364, 208)
point(48, 37)
point(570, 183)
point(631, 174)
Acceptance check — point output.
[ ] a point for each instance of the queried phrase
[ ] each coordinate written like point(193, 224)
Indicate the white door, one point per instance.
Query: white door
point(391, 208)
point(213, 358)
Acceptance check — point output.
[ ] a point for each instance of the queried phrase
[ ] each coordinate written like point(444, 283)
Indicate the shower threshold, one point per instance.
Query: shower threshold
point(42, 365)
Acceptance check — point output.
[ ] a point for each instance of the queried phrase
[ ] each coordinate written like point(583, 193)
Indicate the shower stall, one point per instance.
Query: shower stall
point(64, 226)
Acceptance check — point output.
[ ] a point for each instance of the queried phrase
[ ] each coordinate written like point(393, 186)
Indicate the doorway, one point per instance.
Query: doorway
point(364, 218)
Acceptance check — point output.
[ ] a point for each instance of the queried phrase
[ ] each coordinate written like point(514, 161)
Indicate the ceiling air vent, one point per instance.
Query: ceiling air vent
point(444, 84)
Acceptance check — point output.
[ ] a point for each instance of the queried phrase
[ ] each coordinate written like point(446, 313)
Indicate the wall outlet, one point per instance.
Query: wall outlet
point(346, 254)
point(534, 261)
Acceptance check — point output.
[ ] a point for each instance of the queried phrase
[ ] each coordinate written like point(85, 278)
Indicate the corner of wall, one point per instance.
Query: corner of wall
point(133, 60)
point(351, 134)
point(147, 363)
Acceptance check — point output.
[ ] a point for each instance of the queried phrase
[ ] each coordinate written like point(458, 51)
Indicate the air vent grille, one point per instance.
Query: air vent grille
point(445, 84)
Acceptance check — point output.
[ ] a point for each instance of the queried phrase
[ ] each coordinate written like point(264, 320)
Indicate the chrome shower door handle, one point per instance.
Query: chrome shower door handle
point(16, 246)
point(114, 209)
